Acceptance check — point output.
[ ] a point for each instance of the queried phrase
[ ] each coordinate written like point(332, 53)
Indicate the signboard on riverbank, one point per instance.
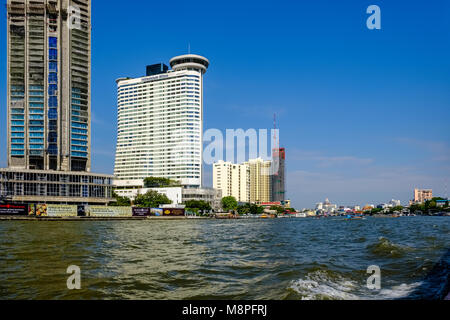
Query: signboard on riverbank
point(147, 212)
point(13, 209)
point(141, 212)
point(103, 211)
point(156, 212)
point(52, 210)
point(173, 212)
point(56, 210)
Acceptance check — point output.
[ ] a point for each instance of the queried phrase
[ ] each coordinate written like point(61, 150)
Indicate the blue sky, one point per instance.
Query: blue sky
point(363, 114)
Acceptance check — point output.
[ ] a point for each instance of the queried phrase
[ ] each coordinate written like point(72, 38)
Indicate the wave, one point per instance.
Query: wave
point(323, 285)
point(385, 248)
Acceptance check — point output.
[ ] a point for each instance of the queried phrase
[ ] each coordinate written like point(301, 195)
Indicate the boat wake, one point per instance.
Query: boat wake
point(322, 285)
point(319, 285)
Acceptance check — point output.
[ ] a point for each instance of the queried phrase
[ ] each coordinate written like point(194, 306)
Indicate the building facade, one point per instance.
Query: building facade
point(422, 195)
point(260, 180)
point(278, 175)
point(160, 123)
point(55, 187)
point(49, 88)
point(232, 179)
point(178, 195)
point(210, 195)
point(48, 104)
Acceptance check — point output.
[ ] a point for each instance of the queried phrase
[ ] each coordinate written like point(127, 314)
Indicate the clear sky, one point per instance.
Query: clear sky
point(363, 114)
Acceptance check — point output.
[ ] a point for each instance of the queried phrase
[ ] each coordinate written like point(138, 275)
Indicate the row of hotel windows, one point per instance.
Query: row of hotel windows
point(173, 82)
point(161, 97)
point(139, 122)
point(157, 108)
point(139, 91)
point(160, 93)
point(159, 86)
point(175, 79)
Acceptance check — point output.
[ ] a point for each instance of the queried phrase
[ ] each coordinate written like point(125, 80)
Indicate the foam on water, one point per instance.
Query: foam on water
point(397, 292)
point(320, 286)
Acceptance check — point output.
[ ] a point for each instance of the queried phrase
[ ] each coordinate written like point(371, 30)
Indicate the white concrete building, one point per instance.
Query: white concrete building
point(232, 179)
point(132, 188)
point(160, 123)
point(178, 195)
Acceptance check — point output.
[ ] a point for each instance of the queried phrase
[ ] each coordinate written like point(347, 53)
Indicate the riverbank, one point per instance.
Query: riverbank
point(28, 218)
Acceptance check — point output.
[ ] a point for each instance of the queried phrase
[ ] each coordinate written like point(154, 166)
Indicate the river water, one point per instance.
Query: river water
point(226, 259)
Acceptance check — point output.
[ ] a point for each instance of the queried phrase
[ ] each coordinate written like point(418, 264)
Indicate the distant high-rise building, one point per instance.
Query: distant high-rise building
point(48, 105)
point(260, 180)
point(232, 179)
point(422, 195)
point(278, 175)
point(160, 123)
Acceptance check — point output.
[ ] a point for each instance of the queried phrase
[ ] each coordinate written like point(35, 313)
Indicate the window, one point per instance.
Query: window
point(53, 66)
point(52, 78)
point(53, 54)
point(53, 102)
point(52, 42)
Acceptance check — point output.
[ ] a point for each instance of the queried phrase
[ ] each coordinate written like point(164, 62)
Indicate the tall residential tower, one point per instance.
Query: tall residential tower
point(48, 104)
point(49, 50)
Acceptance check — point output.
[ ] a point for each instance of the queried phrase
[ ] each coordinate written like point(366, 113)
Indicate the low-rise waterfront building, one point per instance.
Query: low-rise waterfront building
point(55, 187)
point(178, 195)
point(210, 195)
point(326, 207)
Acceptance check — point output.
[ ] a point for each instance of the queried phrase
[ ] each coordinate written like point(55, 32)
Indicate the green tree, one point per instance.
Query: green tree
point(120, 201)
point(152, 199)
point(229, 203)
point(243, 209)
point(278, 209)
point(198, 206)
point(156, 182)
point(376, 211)
point(255, 209)
point(397, 208)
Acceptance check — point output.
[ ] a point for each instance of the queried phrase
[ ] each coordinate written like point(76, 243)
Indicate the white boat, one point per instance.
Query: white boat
point(300, 215)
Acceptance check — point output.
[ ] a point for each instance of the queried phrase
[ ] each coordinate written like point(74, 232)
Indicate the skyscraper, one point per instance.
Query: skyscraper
point(278, 175)
point(160, 123)
point(49, 46)
point(48, 104)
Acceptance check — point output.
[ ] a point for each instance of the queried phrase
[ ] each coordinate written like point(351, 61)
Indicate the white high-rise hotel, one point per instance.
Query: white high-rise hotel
point(160, 122)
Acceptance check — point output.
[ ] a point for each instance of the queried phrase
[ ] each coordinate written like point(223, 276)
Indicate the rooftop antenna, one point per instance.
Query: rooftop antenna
point(189, 48)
